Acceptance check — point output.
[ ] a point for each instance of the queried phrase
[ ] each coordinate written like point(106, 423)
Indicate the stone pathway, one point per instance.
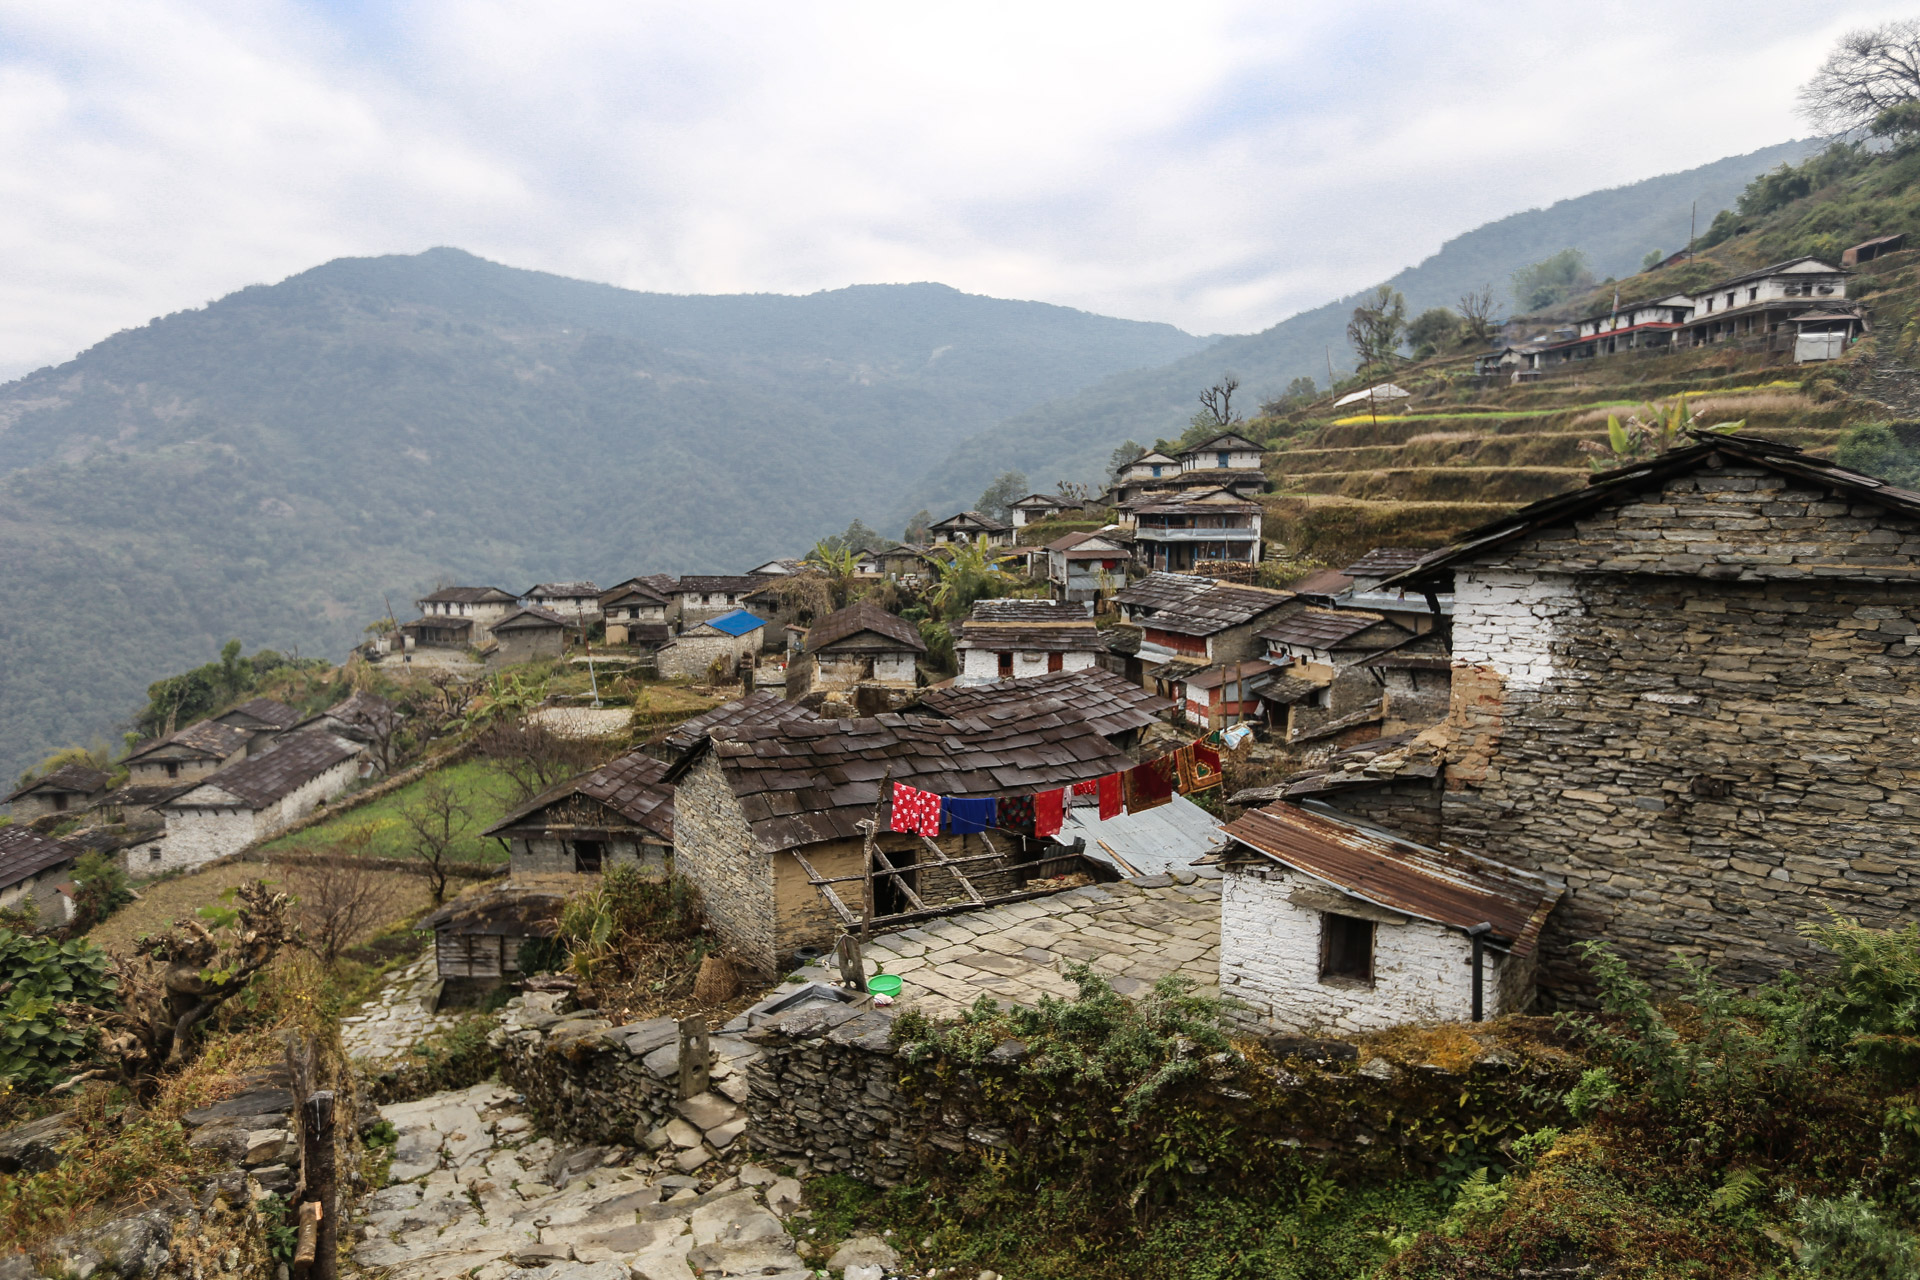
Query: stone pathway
point(1132, 932)
point(472, 1191)
point(385, 1028)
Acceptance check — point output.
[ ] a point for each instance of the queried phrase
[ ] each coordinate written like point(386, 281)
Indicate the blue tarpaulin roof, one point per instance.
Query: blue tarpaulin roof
point(737, 623)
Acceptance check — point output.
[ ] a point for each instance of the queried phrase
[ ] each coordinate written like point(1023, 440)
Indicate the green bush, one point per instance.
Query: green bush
point(1878, 450)
point(37, 1045)
point(1849, 1239)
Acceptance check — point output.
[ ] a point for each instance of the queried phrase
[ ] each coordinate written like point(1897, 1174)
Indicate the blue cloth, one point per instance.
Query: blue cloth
point(968, 817)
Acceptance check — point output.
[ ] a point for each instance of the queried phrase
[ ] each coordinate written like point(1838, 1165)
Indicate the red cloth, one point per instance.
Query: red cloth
point(1049, 810)
point(1111, 804)
point(1150, 785)
point(915, 811)
point(1091, 787)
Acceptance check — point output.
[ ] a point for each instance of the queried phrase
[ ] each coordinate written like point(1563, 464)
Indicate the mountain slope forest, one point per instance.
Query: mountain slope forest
point(1072, 436)
point(270, 466)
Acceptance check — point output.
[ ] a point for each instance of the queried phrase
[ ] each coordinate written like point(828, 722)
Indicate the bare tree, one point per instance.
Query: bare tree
point(1477, 313)
point(533, 757)
point(176, 980)
point(436, 822)
point(335, 901)
point(1871, 70)
point(1074, 493)
point(1216, 404)
point(1377, 326)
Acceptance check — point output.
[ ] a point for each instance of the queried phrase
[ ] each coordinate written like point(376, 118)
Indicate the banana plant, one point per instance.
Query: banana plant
point(1649, 432)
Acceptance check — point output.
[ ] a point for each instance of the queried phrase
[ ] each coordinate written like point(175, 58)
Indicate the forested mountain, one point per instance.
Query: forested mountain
point(270, 466)
point(1072, 436)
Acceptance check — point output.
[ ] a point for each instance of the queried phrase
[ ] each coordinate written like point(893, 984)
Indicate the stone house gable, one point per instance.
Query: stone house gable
point(1692, 692)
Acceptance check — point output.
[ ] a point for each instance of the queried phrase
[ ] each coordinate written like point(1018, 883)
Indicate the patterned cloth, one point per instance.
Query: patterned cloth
point(1091, 787)
point(1199, 767)
point(1049, 810)
point(1149, 785)
point(968, 817)
point(915, 811)
point(1016, 814)
point(1112, 804)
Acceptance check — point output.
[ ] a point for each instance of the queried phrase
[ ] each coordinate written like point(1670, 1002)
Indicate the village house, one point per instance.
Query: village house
point(36, 869)
point(1013, 639)
point(1084, 567)
point(1223, 695)
point(904, 562)
point(1652, 326)
point(699, 597)
point(264, 719)
point(256, 798)
point(1227, 461)
point(477, 937)
point(360, 717)
point(1153, 471)
point(971, 526)
point(618, 814)
point(1116, 709)
point(637, 614)
point(186, 755)
point(528, 635)
point(1144, 597)
point(863, 651)
point(577, 602)
point(768, 820)
point(68, 789)
point(1036, 507)
point(1868, 250)
point(1686, 690)
point(442, 631)
point(1200, 531)
point(480, 606)
point(781, 568)
point(1207, 628)
point(730, 639)
point(1332, 927)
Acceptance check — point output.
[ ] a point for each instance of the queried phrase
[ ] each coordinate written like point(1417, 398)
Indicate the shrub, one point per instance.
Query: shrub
point(37, 1045)
point(1849, 1239)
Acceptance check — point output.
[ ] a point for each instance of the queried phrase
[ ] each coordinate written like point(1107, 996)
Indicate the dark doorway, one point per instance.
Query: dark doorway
point(586, 855)
point(887, 898)
point(1346, 948)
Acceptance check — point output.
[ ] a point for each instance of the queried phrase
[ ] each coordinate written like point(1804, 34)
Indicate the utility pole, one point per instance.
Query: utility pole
point(1693, 220)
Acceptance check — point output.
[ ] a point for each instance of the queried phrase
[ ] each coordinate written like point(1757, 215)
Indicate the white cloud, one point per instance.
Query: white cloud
point(1216, 165)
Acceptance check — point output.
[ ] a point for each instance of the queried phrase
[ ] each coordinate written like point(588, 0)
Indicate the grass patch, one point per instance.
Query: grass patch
point(164, 901)
point(488, 793)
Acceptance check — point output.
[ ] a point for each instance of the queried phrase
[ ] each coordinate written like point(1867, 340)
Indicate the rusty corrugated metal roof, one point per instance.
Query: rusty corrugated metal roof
point(1448, 886)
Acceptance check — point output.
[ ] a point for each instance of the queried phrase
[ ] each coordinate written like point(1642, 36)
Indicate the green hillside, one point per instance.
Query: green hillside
point(1072, 436)
point(270, 466)
point(1462, 452)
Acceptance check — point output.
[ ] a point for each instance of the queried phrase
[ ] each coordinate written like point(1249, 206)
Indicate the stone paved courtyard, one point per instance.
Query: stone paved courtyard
point(393, 1022)
point(1132, 932)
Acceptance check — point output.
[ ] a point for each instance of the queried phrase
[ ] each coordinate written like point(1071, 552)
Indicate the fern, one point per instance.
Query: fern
point(1740, 1189)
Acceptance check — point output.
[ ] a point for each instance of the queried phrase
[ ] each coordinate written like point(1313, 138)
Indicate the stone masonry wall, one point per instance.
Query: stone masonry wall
point(714, 848)
point(1712, 728)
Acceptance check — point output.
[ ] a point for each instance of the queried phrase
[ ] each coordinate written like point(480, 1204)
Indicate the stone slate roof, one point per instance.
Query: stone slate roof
point(864, 627)
point(637, 590)
point(1245, 672)
point(264, 711)
point(1327, 582)
point(530, 618)
point(1032, 637)
point(723, 584)
point(469, 595)
point(1447, 886)
point(760, 707)
point(1027, 611)
point(25, 852)
point(1214, 610)
point(1287, 690)
point(563, 591)
point(1382, 561)
point(1040, 500)
point(1225, 440)
point(631, 786)
point(1606, 487)
point(811, 780)
point(296, 759)
point(1208, 502)
point(208, 738)
point(1160, 590)
point(508, 910)
point(75, 778)
point(1110, 703)
point(1318, 628)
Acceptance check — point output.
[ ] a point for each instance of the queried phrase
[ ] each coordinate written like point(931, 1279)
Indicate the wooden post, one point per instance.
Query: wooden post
point(316, 1158)
point(853, 966)
point(866, 853)
point(694, 1064)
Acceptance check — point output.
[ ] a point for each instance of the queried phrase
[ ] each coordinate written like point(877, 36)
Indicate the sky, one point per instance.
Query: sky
point(1218, 166)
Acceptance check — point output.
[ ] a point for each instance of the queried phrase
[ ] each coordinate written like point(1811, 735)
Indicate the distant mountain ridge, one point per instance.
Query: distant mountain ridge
point(277, 464)
point(1071, 437)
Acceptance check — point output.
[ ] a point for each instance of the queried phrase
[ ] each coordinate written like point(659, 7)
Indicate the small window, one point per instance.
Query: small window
point(1006, 666)
point(1346, 948)
point(1156, 469)
point(173, 770)
point(1222, 456)
point(586, 855)
point(153, 854)
point(1056, 661)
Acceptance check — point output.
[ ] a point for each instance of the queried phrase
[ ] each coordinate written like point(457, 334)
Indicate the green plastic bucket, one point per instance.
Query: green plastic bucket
point(884, 984)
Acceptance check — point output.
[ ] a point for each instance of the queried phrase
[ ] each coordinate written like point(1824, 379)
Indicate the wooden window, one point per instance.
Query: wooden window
point(1056, 661)
point(1006, 666)
point(586, 855)
point(1346, 948)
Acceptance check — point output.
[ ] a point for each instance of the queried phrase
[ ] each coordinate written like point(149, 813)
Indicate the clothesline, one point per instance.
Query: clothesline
point(1147, 785)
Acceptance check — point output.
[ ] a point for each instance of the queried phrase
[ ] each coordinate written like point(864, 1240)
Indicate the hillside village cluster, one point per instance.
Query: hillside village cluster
point(1670, 709)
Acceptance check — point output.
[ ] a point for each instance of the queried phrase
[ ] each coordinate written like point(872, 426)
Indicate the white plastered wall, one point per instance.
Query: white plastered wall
point(1508, 621)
